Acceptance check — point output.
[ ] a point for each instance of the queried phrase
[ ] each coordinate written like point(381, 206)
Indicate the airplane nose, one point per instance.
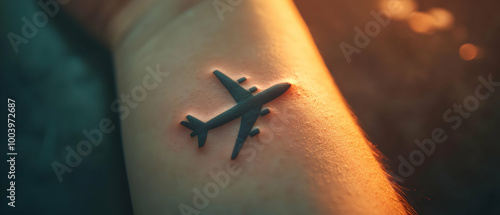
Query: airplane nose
point(285, 86)
point(274, 91)
point(282, 87)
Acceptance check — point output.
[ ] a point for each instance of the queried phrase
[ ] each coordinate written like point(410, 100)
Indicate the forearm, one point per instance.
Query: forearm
point(310, 156)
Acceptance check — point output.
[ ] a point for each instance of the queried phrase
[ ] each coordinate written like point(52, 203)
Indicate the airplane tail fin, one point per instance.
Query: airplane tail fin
point(199, 129)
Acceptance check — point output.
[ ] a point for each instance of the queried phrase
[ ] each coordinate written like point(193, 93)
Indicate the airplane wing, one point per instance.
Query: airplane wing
point(247, 121)
point(239, 93)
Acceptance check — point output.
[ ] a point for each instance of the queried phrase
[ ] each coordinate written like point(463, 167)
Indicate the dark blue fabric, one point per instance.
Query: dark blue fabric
point(62, 81)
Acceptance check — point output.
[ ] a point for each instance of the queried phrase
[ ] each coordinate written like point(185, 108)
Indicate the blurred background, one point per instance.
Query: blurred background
point(423, 62)
point(426, 59)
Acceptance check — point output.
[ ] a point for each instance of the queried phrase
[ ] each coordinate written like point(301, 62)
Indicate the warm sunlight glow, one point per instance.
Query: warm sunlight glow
point(468, 51)
point(398, 9)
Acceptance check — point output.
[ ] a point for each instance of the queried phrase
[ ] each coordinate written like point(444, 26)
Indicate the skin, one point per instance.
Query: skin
point(310, 156)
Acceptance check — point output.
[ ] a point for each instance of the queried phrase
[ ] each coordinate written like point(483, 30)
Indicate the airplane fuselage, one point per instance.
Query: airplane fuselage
point(252, 103)
point(248, 107)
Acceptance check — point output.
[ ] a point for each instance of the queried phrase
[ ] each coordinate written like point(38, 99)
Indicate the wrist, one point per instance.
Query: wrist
point(122, 21)
point(143, 17)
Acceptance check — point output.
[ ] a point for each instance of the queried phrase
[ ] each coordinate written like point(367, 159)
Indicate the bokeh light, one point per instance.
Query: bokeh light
point(398, 9)
point(429, 22)
point(443, 18)
point(468, 51)
point(422, 23)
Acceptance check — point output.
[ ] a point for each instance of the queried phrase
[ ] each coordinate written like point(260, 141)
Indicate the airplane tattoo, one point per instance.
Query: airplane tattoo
point(248, 107)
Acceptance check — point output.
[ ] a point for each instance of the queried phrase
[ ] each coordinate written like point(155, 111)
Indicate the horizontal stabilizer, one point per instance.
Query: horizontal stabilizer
point(199, 129)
